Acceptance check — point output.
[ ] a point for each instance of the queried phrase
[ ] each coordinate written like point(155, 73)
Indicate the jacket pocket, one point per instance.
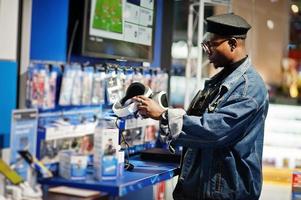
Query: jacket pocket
point(217, 187)
point(216, 182)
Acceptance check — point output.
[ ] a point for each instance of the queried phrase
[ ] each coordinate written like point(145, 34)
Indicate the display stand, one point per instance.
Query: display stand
point(144, 174)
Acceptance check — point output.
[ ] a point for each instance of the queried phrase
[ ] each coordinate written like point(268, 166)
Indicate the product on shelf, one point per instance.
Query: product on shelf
point(87, 85)
point(73, 165)
point(106, 150)
point(67, 86)
point(35, 163)
point(77, 85)
point(9, 173)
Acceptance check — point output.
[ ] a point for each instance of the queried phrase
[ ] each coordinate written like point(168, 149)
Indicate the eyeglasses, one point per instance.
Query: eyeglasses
point(208, 45)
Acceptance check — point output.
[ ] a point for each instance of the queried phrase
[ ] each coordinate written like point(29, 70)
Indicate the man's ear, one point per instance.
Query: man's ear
point(233, 43)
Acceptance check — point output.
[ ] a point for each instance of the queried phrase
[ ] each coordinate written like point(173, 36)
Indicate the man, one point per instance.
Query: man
point(222, 131)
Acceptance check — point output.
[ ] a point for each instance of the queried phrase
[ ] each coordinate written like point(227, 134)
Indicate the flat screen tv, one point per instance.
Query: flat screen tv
point(119, 29)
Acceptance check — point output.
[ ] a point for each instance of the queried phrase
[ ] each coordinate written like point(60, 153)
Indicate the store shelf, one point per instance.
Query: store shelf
point(144, 174)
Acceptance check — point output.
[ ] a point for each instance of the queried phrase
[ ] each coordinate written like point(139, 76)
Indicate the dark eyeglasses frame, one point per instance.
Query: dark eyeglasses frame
point(207, 45)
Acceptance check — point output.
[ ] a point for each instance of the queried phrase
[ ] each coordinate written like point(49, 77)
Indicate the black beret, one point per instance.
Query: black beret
point(228, 25)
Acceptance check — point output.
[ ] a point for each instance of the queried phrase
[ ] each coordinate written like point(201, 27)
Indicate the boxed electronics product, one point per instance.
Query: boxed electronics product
point(120, 163)
point(296, 185)
point(72, 165)
point(106, 151)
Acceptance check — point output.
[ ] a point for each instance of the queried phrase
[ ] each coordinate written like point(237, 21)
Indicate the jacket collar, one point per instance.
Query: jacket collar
point(233, 76)
point(236, 74)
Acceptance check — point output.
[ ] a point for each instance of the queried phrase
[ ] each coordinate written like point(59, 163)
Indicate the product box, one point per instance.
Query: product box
point(72, 165)
point(296, 185)
point(60, 129)
point(106, 153)
point(120, 163)
point(139, 134)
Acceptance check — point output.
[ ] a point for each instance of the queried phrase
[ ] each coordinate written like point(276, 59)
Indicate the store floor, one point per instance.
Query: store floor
point(275, 192)
point(270, 191)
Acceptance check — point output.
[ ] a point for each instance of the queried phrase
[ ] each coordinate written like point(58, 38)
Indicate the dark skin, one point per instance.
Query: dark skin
point(148, 107)
point(222, 51)
point(225, 50)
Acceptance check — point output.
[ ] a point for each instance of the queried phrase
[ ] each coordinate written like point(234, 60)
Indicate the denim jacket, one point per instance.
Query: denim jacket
point(224, 145)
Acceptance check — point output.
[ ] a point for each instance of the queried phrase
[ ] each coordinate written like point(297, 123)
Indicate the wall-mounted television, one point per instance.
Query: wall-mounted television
point(119, 29)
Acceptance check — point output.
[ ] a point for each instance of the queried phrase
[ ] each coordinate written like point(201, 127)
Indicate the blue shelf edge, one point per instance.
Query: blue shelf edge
point(144, 174)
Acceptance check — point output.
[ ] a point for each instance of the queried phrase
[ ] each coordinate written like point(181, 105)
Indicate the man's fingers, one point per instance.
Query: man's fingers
point(143, 112)
point(144, 116)
point(142, 102)
point(142, 97)
point(142, 107)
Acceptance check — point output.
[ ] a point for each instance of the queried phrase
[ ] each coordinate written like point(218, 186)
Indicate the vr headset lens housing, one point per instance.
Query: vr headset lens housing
point(126, 107)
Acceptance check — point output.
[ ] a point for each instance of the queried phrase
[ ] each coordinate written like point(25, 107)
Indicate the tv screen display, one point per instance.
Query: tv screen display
point(119, 29)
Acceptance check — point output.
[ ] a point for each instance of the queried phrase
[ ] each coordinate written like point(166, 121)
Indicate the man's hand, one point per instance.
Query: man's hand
point(148, 107)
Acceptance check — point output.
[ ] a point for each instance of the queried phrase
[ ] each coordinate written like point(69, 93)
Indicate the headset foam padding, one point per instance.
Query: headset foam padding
point(133, 90)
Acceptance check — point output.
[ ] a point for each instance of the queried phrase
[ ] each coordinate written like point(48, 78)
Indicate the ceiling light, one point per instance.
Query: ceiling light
point(295, 8)
point(270, 24)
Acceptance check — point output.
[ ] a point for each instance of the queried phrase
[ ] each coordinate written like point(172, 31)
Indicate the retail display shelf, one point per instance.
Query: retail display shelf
point(144, 174)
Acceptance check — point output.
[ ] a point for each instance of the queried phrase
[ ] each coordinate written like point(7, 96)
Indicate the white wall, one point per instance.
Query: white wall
point(9, 10)
point(267, 47)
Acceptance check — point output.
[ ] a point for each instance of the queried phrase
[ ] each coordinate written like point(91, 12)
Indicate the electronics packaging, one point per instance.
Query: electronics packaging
point(87, 85)
point(113, 88)
point(41, 86)
point(98, 88)
point(139, 134)
point(52, 84)
point(78, 91)
point(122, 78)
point(72, 131)
point(77, 88)
point(48, 88)
point(121, 155)
point(105, 151)
point(296, 185)
point(73, 165)
point(67, 85)
point(23, 136)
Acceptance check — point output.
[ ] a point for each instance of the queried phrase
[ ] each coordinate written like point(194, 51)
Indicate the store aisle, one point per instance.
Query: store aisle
point(275, 192)
point(269, 191)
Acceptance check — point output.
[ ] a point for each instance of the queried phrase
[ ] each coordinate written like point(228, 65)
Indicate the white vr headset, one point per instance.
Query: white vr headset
point(126, 106)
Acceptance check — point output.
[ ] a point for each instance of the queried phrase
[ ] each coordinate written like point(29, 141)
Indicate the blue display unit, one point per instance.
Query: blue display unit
point(143, 175)
point(49, 30)
point(8, 96)
point(49, 42)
